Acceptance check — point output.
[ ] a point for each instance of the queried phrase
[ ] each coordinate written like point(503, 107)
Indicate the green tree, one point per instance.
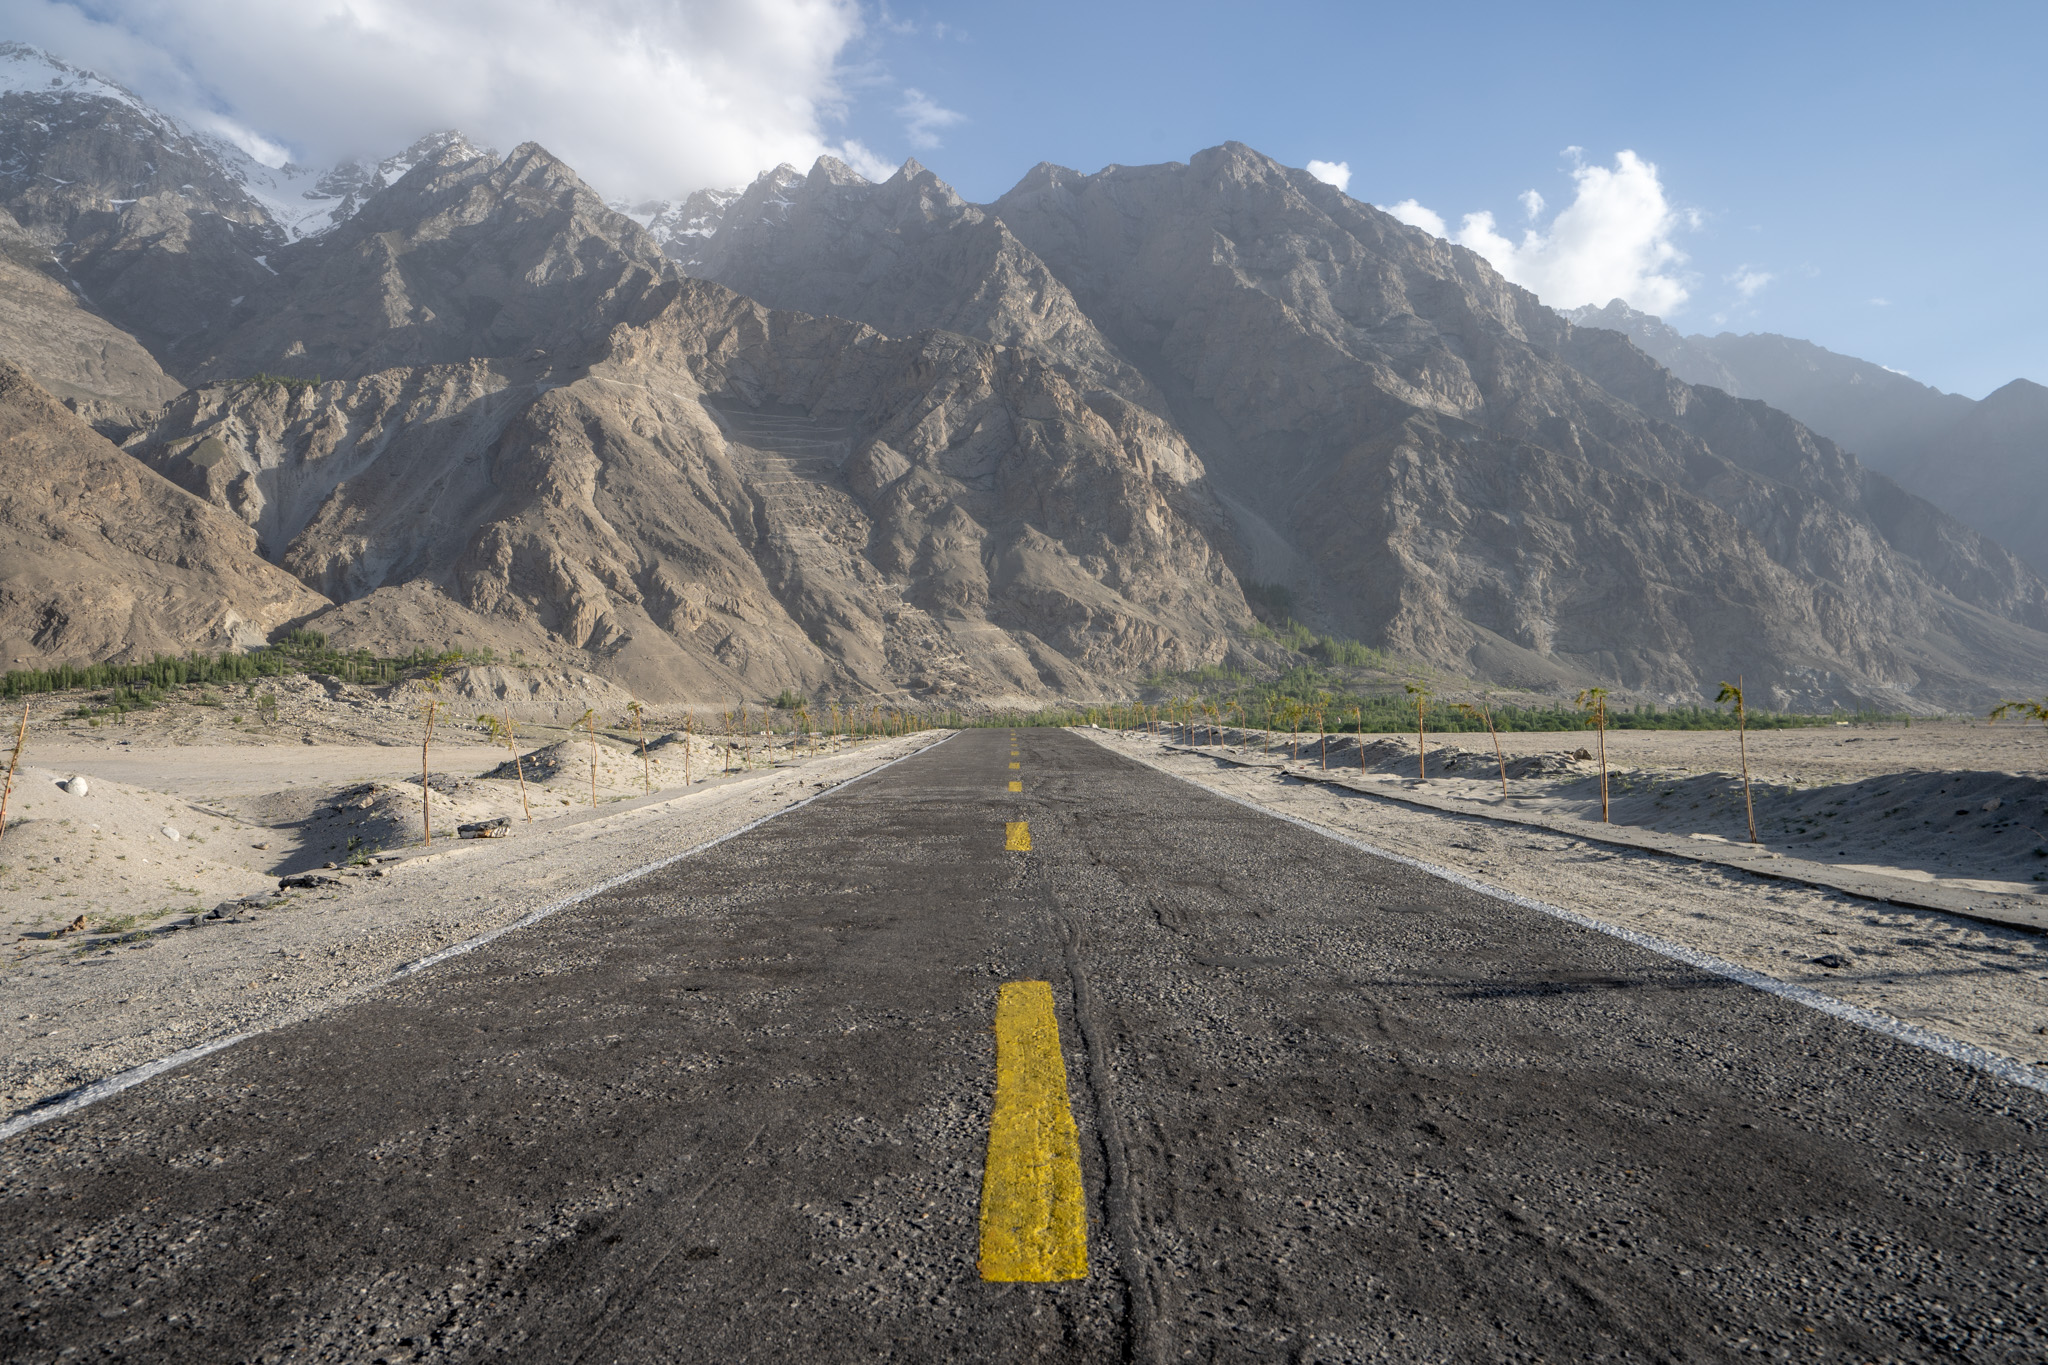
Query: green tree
point(1593, 701)
point(1484, 710)
point(502, 729)
point(1733, 692)
point(1420, 692)
point(432, 682)
point(2027, 710)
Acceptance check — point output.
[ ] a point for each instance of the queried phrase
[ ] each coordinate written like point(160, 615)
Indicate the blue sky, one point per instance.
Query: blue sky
point(1852, 153)
point(1871, 177)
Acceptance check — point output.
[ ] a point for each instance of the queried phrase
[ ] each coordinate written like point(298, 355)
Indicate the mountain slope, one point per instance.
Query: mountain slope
point(73, 352)
point(1985, 462)
point(100, 558)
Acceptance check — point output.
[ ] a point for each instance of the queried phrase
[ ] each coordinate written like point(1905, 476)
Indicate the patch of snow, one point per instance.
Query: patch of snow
point(264, 261)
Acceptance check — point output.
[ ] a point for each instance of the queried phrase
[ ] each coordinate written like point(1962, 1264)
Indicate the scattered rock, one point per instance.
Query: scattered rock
point(1582, 753)
point(170, 832)
point(76, 926)
point(496, 828)
point(307, 881)
point(76, 785)
point(1832, 961)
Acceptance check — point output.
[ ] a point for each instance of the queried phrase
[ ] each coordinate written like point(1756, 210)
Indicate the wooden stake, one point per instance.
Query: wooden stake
point(646, 773)
point(20, 738)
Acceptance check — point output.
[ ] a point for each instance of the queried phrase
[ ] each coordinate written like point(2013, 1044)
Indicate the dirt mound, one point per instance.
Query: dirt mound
point(562, 771)
point(117, 854)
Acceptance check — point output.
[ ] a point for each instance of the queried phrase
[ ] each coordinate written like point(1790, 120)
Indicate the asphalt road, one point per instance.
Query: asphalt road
point(1329, 1109)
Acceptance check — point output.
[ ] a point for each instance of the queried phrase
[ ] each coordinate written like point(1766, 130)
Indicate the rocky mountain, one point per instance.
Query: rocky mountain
point(1423, 454)
point(102, 558)
point(707, 495)
point(1983, 461)
point(161, 230)
point(842, 436)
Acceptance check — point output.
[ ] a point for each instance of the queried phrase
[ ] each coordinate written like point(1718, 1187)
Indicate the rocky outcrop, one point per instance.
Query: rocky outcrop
point(465, 257)
point(906, 255)
point(100, 558)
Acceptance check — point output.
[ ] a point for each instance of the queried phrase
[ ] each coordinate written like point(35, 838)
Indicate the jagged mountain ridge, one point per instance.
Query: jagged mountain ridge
point(1985, 461)
point(162, 230)
point(701, 493)
point(1302, 339)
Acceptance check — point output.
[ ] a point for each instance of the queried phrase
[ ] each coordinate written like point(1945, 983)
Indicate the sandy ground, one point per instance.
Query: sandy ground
point(1932, 802)
point(142, 979)
point(1980, 983)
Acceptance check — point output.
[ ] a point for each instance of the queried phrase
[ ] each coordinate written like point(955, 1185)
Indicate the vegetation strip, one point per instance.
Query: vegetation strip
point(92, 1092)
point(1953, 1049)
point(1034, 1226)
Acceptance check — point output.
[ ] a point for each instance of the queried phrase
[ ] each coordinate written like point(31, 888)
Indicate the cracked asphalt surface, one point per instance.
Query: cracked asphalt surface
point(1331, 1109)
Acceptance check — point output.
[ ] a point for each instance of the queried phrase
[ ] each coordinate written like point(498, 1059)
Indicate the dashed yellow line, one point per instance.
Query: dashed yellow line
point(1034, 1226)
point(1017, 837)
point(1016, 765)
point(1016, 786)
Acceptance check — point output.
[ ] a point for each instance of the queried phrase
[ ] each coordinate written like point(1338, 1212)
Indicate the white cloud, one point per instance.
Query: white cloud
point(1336, 173)
point(1613, 241)
point(856, 154)
point(1880, 303)
point(259, 147)
point(923, 117)
point(1532, 205)
point(1749, 282)
point(642, 97)
point(1414, 215)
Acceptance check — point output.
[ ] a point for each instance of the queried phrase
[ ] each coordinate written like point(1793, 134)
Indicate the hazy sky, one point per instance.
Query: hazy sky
point(1869, 176)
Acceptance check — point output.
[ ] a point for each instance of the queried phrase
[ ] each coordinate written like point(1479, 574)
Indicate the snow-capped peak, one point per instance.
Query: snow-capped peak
point(26, 70)
point(300, 201)
point(306, 201)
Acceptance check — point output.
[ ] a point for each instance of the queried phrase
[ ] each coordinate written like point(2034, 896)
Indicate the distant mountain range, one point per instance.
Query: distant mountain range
point(1984, 460)
point(861, 438)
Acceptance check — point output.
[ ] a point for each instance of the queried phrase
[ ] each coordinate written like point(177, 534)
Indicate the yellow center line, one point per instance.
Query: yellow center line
point(1016, 786)
point(1017, 765)
point(1034, 1227)
point(1017, 837)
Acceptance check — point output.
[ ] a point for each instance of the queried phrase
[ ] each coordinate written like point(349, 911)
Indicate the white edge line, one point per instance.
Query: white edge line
point(1954, 1049)
point(73, 1101)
